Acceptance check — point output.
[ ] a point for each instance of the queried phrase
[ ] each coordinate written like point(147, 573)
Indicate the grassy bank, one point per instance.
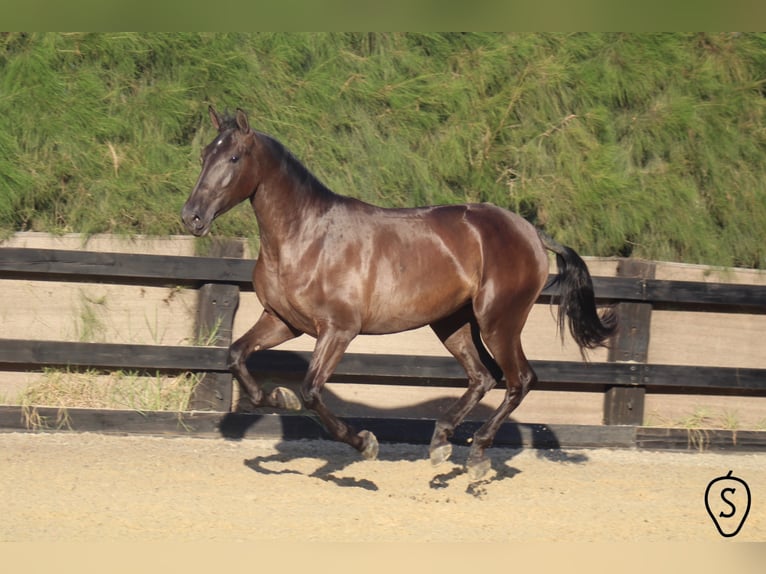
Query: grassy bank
point(644, 145)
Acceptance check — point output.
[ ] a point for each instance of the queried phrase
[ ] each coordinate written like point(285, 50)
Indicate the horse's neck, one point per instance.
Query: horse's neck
point(285, 208)
point(290, 200)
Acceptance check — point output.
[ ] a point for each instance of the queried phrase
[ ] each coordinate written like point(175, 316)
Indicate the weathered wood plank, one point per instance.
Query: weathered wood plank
point(745, 298)
point(373, 369)
point(625, 405)
point(700, 439)
point(429, 371)
point(288, 427)
point(414, 431)
point(67, 265)
point(662, 293)
point(703, 380)
point(420, 431)
point(14, 418)
point(34, 355)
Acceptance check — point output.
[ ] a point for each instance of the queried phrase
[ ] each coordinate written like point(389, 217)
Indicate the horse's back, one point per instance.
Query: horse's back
point(475, 237)
point(501, 237)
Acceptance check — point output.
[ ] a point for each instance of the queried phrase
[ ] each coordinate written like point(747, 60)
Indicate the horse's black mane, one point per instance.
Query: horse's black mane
point(291, 164)
point(294, 167)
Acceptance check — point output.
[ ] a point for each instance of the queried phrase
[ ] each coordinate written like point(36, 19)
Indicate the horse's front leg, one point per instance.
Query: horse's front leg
point(267, 332)
point(331, 344)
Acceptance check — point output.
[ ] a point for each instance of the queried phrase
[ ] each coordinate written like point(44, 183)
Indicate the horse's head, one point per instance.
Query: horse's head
point(228, 175)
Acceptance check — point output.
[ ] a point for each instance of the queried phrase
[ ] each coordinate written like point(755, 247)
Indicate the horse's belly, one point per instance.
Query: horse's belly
point(403, 308)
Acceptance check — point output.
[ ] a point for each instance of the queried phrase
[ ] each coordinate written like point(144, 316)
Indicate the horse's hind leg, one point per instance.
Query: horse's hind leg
point(460, 335)
point(519, 379)
point(268, 332)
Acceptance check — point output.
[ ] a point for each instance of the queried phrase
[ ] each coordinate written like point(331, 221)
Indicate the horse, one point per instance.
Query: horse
point(335, 267)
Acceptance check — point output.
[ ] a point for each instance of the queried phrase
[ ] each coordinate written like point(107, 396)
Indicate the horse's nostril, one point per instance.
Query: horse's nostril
point(195, 219)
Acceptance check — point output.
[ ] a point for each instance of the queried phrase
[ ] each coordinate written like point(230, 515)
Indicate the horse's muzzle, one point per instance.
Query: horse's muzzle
point(194, 223)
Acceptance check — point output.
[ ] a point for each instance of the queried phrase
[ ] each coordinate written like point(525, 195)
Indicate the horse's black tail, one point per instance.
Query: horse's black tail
point(576, 299)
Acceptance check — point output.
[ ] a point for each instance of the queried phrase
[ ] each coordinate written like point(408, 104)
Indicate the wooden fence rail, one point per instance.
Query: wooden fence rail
point(90, 266)
point(624, 379)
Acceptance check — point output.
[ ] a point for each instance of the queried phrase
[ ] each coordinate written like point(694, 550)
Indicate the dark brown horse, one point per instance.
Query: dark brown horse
point(334, 267)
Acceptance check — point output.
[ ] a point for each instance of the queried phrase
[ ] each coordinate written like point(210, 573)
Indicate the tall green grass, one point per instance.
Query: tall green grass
point(618, 144)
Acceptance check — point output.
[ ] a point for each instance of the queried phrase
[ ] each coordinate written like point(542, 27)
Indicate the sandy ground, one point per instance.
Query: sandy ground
point(74, 487)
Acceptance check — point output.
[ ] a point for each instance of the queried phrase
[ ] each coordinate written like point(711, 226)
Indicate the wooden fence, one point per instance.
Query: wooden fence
point(624, 379)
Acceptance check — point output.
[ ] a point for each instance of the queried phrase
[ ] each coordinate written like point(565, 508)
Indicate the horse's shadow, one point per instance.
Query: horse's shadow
point(336, 457)
point(335, 465)
point(335, 462)
point(330, 471)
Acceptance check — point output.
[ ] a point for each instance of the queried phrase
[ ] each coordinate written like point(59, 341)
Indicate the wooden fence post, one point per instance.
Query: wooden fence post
point(624, 405)
point(215, 318)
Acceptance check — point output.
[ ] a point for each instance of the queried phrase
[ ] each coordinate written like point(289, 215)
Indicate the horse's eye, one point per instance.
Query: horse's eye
point(234, 159)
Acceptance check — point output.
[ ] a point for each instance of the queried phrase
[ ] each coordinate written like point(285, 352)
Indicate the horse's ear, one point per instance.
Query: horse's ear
point(242, 122)
point(214, 117)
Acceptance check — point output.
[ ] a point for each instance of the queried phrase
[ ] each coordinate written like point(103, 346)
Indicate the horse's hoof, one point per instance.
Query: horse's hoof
point(283, 398)
point(477, 467)
point(441, 454)
point(369, 445)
